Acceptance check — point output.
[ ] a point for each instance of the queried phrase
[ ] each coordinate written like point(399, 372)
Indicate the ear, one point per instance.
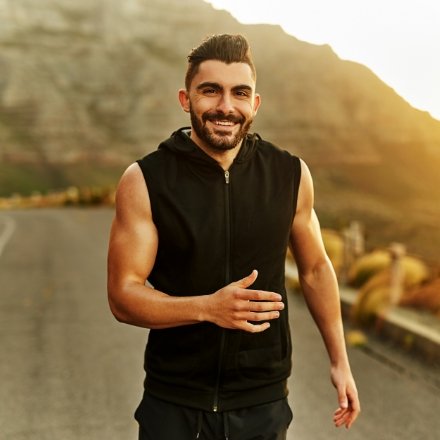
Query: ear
point(257, 103)
point(184, 100)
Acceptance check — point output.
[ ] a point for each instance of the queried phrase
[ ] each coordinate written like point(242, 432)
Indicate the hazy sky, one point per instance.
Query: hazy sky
point(398, 39)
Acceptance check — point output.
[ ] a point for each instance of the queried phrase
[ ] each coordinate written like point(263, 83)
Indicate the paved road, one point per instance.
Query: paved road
point(69, 371)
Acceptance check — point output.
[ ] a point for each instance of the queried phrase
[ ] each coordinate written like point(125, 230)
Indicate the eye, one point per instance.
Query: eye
point(242, 93)
point(209, 91)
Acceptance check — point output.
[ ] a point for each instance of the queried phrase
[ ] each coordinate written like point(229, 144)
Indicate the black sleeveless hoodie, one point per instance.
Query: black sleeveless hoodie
point(215, 227)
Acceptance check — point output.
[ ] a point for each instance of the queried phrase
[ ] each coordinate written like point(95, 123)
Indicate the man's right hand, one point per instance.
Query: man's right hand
point(234, 306)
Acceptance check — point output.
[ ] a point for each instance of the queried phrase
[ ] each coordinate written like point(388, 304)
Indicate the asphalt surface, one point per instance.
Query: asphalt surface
point(69, 371)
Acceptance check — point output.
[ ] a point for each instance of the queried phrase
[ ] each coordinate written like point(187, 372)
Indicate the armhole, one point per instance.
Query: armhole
point(148, 183)
point(140, 162)
point(296, 181)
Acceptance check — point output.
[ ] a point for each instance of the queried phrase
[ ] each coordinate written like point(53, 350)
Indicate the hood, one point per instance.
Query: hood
point(181, 143)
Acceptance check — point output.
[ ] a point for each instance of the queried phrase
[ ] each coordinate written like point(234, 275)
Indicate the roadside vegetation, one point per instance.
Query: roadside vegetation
point(72, 196)
point(384, 276)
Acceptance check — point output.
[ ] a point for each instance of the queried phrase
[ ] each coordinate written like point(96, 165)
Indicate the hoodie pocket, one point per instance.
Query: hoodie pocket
point(265, 356)
point(180, 356)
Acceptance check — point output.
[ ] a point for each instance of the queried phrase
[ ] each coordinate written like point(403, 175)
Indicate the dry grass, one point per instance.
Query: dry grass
point(373, 275)
point(425, 297)
point(72, 196)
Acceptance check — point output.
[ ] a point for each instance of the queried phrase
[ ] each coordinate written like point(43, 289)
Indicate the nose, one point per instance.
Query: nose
point(225, 104)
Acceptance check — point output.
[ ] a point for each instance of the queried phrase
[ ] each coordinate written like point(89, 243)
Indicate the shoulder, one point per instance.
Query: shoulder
point(284, 160)
point(306, 190)
point(268, 147)
point(153, 158)
point(131, 177)
point(270, 150)
point(281, 158)
point(157, 164)
point(305, 170)
point(132, 192)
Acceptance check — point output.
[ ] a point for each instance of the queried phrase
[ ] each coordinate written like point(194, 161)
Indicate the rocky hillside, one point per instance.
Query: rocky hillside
point(88, 87)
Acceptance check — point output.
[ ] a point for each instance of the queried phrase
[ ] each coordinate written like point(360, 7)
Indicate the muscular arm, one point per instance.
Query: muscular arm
point(132, 252)
point(321, 292)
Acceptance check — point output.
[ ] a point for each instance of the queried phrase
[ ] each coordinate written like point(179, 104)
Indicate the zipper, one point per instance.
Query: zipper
point(228, 229)
point(227, 281)
point(227, 177)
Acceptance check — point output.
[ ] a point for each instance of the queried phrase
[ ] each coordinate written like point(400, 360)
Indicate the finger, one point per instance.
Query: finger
point(350, 419)
point(255, 328)
point(342, 398)
point(344, 419)
point(354, 406)
point(256, 316)
point(340, 415)
point(339, 412)
point(264, 306)
point(350, 422)
point(354, 401)
point(354, 413)
point(341, 390)
point(246, 281)
point(258, 295)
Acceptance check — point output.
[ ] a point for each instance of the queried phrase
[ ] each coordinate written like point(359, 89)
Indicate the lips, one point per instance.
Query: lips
point(222, 120)
point(223, 123)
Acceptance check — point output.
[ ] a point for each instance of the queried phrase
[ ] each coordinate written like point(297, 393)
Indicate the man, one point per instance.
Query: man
point(207, 219)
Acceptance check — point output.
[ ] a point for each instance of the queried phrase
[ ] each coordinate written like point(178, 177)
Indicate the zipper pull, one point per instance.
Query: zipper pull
point(227, 177)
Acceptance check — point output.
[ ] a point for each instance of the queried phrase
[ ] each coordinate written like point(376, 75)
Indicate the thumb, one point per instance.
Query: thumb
point(343, 401)
point(246, 281)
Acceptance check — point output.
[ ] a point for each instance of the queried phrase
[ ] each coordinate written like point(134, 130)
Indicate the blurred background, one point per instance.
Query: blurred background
point(88, 87)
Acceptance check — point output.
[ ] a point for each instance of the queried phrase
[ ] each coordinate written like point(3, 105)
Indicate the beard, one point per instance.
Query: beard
point(214, 138)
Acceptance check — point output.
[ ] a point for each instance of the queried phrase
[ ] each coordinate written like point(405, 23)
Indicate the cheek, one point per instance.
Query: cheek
point(246, 106)
point(247, 110)
point(201, 105)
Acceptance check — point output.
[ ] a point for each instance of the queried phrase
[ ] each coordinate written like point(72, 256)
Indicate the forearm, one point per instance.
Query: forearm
point(234, 306)
point(143, 306)
point(321, 292)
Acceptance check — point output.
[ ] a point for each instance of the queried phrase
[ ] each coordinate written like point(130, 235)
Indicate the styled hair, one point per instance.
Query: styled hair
point(223, 47)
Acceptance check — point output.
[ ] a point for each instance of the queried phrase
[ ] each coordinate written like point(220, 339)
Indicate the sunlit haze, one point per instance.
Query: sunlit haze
point(398, 39)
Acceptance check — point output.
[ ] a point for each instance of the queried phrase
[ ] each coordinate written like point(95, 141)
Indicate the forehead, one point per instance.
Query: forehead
point(227, 75)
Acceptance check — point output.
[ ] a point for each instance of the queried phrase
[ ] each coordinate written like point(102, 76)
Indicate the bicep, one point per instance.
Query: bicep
point(133, 237)
point(305, 237)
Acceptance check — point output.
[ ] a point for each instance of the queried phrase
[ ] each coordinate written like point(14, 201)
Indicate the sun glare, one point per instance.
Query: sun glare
point(398, 40)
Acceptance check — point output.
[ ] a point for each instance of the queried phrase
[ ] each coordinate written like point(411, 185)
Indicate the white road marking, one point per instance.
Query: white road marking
point(7, 231)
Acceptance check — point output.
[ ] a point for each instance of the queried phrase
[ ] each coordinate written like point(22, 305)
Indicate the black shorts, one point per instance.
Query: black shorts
point(160, 420)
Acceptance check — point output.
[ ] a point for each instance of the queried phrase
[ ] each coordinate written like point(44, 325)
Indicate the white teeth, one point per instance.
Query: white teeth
point(226, 123)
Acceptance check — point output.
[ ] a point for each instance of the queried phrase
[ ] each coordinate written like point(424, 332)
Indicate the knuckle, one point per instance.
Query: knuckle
point(235, 293)
point(253, 328)
point(236, 315)
point(236, 307)
point(255, 316)
point(260, 296)
point(258, 306)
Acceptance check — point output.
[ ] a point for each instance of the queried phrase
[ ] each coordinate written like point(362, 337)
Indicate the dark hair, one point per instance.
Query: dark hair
point(224, 47)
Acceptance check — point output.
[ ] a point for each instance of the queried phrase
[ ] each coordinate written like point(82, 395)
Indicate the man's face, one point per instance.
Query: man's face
point(222, 104)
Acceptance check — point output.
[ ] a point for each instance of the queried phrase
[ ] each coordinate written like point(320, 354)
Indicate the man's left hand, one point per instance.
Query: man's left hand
point(349, 406)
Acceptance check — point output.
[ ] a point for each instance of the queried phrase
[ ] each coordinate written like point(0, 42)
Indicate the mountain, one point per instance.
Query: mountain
point(88, 87)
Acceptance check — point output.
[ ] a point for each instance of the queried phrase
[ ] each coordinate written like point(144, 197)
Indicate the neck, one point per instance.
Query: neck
point(223, 157)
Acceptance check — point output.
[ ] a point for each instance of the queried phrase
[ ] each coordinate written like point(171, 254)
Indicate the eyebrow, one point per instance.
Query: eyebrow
point(217, 86)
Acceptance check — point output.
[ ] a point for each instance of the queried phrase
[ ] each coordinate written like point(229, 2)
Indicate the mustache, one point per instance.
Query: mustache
point(219, 116)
